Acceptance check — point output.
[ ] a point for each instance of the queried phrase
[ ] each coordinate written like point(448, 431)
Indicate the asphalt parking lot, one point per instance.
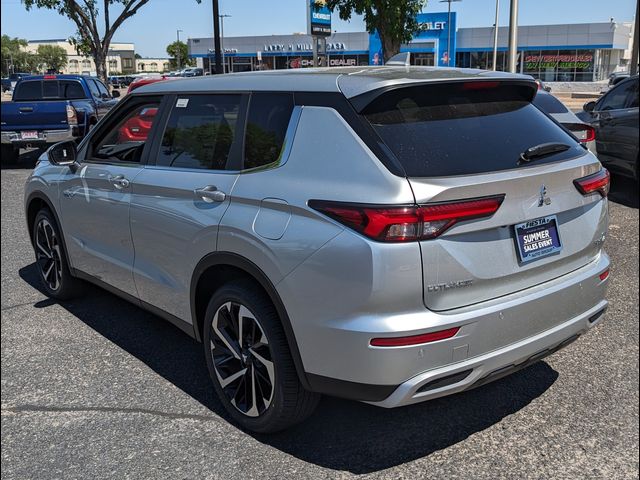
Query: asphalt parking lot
point(97, 388)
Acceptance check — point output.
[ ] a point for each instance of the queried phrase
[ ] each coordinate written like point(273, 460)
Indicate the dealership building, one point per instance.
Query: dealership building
point(569, 52)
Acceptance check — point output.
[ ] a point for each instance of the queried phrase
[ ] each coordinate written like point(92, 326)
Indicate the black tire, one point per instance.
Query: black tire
point(289, 402)
point(9, 154)
point(51, 259)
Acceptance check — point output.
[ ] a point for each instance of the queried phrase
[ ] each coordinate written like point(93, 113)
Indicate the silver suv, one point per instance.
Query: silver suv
point(384, 234)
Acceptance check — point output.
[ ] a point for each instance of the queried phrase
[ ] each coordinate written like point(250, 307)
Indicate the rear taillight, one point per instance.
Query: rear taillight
point(407, 223)
point(599, 182)
point(72, 115)
point(584, 133)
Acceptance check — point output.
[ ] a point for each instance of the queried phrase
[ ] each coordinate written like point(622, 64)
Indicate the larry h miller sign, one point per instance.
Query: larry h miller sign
point(433, 38)
point(318, 18)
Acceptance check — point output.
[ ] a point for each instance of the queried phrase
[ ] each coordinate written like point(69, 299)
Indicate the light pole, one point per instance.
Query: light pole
point(449, 30)
point(633, 67)
point(178, 49)
point(513, 36)
point(224, 57)
point(495, 38)
point(216, 36)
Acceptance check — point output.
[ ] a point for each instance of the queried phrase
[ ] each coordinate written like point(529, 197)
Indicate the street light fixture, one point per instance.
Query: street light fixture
point(178, 49)
point(449, 30)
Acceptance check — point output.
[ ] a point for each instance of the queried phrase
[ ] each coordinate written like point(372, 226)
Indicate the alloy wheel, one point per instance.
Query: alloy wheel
point(48, 254)
point(242, 359)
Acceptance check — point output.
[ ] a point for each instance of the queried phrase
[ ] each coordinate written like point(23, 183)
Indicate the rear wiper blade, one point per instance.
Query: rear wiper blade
point(542, 150)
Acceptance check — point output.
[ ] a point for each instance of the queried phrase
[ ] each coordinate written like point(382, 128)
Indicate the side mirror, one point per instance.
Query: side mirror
point(115, 94)
point(589, 106)
point(63, 153)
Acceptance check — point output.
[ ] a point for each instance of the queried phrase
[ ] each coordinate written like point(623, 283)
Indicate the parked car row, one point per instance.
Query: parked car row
point(46, 109)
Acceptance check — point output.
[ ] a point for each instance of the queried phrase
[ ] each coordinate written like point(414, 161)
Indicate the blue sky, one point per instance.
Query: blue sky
point(155, 24)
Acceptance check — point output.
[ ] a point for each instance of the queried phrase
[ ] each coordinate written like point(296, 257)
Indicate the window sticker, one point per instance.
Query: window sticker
point(182, 103)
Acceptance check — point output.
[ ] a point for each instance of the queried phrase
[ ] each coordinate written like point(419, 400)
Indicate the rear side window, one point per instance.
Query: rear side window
point(200, 132)
point(463, 129)
point(549, 104)
point(267, 123)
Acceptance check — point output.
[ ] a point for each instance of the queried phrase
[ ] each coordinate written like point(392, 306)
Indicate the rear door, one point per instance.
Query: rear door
point(180, 198)
point(464, 141)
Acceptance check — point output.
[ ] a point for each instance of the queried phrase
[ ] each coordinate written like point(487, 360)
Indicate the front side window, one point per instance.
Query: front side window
point(102, 90)
point(200, 132)
point(125, 140)
point(93, 88)
point(616, 99)
point(267, 123)
point(632, 97)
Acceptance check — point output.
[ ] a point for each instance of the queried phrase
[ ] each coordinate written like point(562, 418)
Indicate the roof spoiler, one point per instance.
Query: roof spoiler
point(402, 59)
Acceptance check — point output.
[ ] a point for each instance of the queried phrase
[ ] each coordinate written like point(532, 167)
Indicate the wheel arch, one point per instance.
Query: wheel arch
point(224, 266)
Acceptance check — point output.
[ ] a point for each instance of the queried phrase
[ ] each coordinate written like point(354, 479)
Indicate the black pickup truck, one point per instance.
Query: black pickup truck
point(46, 109)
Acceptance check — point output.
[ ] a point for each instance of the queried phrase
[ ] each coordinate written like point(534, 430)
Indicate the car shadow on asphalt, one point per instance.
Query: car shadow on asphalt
point(26, 161)
point(340, 435)
point(624, 191)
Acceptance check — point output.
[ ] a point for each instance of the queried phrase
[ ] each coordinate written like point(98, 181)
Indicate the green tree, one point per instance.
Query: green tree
point(52, 57)
point(394, 20)
point(180, 49)
point(89, 39)
point(14, 56)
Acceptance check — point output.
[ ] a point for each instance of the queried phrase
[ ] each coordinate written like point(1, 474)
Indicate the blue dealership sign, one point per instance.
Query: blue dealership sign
point(433, 39)
point(319, 18)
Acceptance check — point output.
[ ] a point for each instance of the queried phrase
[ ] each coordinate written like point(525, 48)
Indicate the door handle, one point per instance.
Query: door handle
point(210, 194)
point(119, 182)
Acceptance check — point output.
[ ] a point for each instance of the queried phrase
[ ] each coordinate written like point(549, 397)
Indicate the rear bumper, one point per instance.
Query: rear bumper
point(492, 366)
point(45, 137)
point(498, 335)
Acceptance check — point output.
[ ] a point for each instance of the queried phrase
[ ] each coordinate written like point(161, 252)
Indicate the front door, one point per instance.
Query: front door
point(101, 97)
point(611, 115)
point(179, 199)
point(95, 198)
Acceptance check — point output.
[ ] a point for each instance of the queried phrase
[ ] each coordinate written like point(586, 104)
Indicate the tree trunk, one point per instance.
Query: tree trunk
point(390, 46)
point(99, 58)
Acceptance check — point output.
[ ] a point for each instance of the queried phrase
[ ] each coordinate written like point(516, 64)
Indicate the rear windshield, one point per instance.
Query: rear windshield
point(549, 104)
point(31, 90)
point(464, 128)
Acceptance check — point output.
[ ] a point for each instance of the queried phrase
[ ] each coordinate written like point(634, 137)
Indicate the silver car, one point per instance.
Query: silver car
point(383, 234)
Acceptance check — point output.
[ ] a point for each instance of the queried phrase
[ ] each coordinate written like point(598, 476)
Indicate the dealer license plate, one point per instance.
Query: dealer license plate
point(29, 135)
point(538, 238)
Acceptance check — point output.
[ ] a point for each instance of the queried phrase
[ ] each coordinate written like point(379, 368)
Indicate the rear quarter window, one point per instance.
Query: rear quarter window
point(455, 129)
point(267, 123)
